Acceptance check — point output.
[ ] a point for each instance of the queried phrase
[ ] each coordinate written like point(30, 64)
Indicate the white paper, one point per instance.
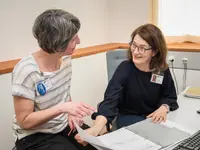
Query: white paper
point(171, 124)
point(125, 139)
point(118, 140)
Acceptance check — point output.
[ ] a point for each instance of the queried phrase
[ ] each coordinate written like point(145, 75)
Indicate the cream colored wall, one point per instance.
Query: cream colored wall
point(103, 21)
point(89, 79)
point(6, 113)
point(17, 18)
point(125, 16)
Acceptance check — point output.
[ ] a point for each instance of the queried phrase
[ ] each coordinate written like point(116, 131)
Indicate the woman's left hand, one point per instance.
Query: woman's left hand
point(159, 115)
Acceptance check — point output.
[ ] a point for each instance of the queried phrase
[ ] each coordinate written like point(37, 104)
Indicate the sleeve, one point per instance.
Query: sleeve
point(108, 107)
point(22, 83)
point(169, 95)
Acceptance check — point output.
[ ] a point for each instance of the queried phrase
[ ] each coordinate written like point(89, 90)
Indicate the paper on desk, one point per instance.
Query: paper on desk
point(171, 124)
point(125, 139)
point(118, 140)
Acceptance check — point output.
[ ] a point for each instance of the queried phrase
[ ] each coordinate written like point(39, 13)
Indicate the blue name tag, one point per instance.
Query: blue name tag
point(41, 88)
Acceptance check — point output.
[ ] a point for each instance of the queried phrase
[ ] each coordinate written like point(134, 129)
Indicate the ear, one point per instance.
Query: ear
point(154, 53)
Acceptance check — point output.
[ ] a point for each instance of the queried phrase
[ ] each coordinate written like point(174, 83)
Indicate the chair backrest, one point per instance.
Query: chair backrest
point(114, 58)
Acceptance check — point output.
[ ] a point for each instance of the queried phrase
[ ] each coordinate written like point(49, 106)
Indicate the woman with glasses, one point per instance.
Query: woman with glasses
point(141, 87)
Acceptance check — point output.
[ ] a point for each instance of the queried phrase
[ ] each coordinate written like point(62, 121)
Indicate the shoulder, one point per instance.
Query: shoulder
point(25, 63)
point(66, 59)
point(126, 64)
point(24, 68)
point(167, 76)
point(123, 69)
point(66, 63)
point(167, 72)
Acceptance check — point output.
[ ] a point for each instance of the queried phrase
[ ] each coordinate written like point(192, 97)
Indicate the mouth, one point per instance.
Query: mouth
point(137, 57)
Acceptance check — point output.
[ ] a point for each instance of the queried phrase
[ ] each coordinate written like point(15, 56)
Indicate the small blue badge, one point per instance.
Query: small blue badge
point(41, 88)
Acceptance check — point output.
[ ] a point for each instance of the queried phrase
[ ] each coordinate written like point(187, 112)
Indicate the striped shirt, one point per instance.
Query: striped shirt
point(25, 79)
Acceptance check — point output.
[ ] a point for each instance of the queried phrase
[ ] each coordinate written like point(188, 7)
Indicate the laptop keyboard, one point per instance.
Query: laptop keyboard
point(191, 143)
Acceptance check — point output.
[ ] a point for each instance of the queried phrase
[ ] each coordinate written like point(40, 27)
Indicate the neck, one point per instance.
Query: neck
point(50, 58)
point(50, 62)
point(143, 67)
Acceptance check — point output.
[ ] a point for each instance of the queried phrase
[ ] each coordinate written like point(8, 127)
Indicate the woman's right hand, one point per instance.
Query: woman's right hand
point(77, 109)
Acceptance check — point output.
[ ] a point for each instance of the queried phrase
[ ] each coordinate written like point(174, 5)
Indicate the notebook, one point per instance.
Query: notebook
point(193, 92)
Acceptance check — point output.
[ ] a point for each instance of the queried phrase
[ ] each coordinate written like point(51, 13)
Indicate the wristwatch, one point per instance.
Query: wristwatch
point(167, 106)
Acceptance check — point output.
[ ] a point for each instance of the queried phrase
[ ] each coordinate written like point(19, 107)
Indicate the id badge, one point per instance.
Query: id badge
point(157, 78)
point(43, 86)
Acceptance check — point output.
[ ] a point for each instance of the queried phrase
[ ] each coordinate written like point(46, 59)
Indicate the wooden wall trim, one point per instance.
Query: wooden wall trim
point(7, 66)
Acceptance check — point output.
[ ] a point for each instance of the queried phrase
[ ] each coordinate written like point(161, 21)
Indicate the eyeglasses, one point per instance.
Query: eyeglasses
point(141, 49)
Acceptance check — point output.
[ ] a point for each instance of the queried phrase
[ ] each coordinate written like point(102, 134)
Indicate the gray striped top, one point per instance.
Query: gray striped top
point(25, 78)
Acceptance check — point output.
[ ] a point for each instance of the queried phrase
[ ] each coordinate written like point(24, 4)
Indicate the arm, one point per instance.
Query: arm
point(27, 119)
point(168, 100)
point(107, 109)
point(98, 125)
point(169, 96)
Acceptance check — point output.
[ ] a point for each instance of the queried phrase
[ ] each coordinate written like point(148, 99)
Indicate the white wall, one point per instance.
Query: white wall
point(17, 18)
point(125, 16)
point(89, 81)
point(6, 113)
point(103, 21)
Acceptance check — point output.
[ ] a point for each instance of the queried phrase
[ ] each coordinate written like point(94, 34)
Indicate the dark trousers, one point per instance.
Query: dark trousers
point(60, 141)
point(128, 119)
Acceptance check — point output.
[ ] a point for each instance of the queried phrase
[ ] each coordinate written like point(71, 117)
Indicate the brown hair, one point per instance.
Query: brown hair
point(154, 37)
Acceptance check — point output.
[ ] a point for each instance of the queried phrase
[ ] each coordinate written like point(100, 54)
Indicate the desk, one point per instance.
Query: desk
point(187, 114)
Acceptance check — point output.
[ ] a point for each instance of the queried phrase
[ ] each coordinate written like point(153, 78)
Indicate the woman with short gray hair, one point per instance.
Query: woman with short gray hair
point(41, 87)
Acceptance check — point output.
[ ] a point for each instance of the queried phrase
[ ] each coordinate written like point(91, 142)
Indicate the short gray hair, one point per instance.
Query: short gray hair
point(54, 28)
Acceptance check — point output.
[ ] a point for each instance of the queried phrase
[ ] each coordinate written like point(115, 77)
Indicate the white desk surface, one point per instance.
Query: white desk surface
point(186, 114)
